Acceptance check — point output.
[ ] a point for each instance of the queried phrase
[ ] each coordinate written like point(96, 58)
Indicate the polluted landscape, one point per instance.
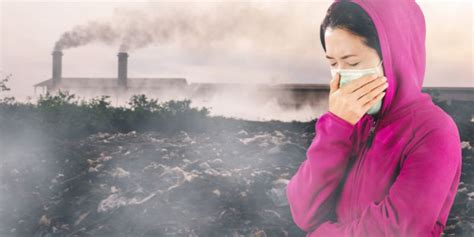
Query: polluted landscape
point(200, 160)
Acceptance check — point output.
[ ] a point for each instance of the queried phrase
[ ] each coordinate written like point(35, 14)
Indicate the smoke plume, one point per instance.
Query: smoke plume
point(243, 23)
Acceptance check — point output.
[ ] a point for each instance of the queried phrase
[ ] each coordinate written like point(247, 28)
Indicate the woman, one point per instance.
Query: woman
point(389, 170)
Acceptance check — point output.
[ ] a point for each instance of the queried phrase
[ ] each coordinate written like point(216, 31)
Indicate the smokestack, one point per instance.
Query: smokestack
point(122, 69)
point(57, 67)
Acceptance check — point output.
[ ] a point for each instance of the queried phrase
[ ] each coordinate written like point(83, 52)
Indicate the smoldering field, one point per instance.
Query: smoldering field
point(153, 168)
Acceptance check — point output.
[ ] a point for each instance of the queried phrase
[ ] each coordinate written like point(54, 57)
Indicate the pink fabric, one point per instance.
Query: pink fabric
point(405, 183)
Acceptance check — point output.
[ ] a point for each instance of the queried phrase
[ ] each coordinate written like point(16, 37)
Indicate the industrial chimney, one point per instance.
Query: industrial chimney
point(57, 67)
point(122, 69)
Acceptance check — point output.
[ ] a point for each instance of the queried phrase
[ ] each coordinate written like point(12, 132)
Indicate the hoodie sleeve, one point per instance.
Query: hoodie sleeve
point(429, 174)
point(309, 190)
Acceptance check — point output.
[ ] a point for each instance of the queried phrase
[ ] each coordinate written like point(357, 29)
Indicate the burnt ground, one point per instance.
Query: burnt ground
point(221, 183)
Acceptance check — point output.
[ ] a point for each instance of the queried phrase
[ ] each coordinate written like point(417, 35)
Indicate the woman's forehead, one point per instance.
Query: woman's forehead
point(340, 42)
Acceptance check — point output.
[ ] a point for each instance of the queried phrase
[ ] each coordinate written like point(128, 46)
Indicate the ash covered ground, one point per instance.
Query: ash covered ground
point(217, 183)
point(222, 183)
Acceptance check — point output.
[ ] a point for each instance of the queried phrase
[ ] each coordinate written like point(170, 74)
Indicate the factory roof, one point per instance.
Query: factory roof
point(89, 82)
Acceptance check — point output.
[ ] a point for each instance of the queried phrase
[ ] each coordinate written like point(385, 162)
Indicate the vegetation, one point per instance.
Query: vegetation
point(62, 115)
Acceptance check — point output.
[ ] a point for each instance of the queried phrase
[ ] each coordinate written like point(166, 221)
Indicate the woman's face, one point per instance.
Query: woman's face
point(345, 50)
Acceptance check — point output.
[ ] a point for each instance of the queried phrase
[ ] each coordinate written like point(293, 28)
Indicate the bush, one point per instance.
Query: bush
point(61, 115)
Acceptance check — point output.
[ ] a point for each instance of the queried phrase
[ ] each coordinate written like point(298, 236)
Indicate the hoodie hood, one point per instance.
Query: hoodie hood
point(401, 29)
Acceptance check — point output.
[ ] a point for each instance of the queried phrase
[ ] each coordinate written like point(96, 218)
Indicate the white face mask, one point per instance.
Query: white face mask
point(348, 75)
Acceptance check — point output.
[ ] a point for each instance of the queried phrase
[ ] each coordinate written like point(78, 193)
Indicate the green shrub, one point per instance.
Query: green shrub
point(63, 115)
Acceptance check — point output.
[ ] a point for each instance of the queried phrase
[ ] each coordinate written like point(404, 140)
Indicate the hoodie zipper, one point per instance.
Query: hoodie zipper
point(367, 145)
point(370, 139)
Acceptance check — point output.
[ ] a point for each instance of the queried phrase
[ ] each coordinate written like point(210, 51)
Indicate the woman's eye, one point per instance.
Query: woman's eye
point(334, 64)
point(353, 65)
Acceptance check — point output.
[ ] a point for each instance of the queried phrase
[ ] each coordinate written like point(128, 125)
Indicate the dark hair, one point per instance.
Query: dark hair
point(350, 16)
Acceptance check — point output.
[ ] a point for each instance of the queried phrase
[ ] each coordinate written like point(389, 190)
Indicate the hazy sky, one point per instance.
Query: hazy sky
point(264, 41)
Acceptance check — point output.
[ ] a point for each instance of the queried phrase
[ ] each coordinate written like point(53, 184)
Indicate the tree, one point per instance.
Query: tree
point(3, 88)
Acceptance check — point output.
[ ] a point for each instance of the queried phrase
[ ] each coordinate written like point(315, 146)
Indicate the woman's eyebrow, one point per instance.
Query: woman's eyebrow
point(344, 57)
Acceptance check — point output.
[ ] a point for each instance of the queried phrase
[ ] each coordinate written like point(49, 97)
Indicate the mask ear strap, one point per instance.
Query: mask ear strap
point(379, 65)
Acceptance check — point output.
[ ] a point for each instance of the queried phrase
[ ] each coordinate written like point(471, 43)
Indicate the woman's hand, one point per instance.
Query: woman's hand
point(355, 98)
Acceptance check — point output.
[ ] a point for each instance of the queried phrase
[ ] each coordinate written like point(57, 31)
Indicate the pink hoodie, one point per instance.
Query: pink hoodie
point(405, 181)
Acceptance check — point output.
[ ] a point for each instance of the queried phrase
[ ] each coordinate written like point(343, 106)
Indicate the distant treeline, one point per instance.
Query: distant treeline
point(62, 115)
